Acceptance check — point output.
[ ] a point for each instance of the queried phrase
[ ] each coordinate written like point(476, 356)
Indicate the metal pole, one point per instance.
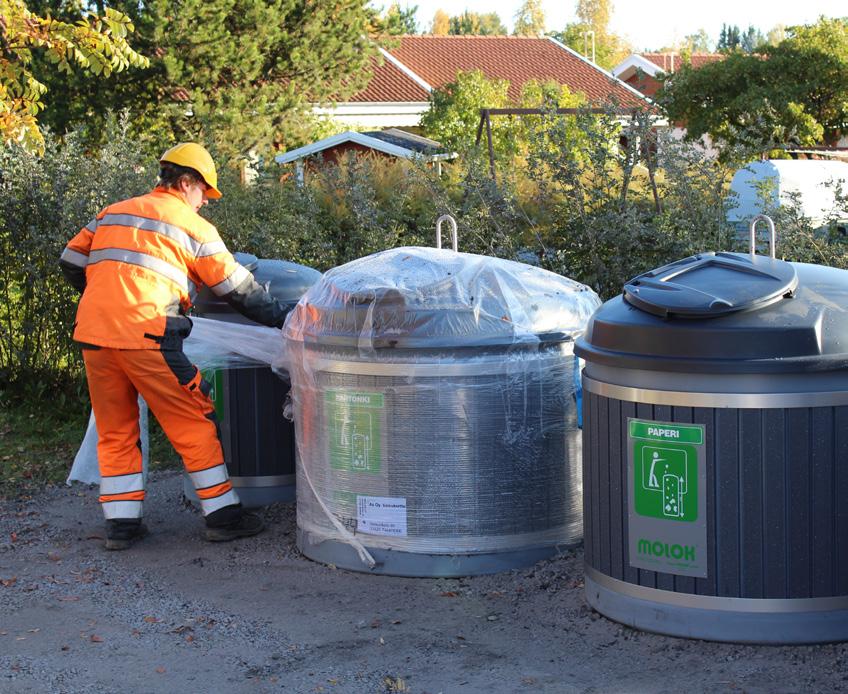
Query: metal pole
point(483, 113)
point(585, 42)
point(491, 147)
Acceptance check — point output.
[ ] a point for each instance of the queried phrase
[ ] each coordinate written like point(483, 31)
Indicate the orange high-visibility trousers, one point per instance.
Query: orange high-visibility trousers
point(178, 397)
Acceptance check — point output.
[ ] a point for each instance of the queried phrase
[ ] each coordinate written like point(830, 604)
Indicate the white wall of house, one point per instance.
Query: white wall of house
point(402, 114)
point(705, 143)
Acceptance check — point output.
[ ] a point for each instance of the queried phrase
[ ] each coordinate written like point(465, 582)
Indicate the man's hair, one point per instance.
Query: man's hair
point(170, 175)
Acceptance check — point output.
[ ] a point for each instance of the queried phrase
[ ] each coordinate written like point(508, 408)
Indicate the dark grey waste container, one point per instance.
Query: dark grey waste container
point(716, 451)
point(258, 441)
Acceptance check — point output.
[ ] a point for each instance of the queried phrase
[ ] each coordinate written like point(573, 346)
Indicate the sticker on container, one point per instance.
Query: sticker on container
point(215, 379)
point(354, 426)
point(667, 494)
point(381, 515)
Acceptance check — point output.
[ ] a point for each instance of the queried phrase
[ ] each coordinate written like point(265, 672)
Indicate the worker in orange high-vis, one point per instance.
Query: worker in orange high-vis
point(136, 264)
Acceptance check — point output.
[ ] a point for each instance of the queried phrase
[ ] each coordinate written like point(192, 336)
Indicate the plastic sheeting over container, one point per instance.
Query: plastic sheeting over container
point(435, 405)
point(258, 442)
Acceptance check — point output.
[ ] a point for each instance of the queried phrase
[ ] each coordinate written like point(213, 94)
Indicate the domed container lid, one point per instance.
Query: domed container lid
point(432, 298)
point(725, 313)
point(285, 281)
point(711, 284)
point(249, 260)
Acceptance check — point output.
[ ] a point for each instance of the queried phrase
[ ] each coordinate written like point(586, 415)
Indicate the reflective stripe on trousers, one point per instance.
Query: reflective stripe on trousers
point(122, 484)
point(209, 477)
point(121, 509)
point(226, 499)
point(173, 389)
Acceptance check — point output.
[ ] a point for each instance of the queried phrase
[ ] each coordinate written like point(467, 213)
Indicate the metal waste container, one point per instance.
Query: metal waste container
point(258, 441)
point(715, 451)
point(436, 421)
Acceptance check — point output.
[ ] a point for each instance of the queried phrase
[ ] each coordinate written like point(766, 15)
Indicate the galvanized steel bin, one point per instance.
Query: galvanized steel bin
point(435, 412)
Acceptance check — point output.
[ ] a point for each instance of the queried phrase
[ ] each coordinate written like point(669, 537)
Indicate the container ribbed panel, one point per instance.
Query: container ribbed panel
point(777, 498)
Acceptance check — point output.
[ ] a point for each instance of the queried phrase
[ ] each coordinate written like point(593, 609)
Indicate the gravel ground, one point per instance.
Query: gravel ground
point(175, 612)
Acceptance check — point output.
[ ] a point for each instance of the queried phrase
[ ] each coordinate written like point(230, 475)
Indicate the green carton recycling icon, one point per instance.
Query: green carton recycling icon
point(666, 481)
point(354, 430)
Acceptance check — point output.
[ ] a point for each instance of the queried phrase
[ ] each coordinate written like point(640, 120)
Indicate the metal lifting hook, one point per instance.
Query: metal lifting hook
point(772, 234)
point(454, 236)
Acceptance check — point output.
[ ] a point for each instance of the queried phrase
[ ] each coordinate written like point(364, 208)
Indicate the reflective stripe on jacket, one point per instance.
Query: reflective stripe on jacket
point(136, 263)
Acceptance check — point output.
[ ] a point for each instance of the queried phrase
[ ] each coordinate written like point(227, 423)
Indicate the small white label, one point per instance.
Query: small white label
point(381, 515)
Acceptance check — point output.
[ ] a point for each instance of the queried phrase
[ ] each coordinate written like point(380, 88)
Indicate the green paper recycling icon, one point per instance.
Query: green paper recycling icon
point(666, 481)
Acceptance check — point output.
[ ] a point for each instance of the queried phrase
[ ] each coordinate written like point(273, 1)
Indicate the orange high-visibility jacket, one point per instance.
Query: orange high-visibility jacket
point(136, 264)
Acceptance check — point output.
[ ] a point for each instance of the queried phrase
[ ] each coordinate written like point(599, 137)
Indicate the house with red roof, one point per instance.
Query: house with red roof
point(399, 92)
point(642, 70)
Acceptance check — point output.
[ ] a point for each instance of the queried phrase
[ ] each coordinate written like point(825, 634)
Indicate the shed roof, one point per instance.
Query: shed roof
point(394, 142)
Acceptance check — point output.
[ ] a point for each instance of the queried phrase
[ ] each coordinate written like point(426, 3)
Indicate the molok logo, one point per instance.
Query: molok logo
point(663, 549)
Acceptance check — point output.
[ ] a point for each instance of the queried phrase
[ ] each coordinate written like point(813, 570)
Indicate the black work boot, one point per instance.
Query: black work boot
point(122, 532)
point(231, 523)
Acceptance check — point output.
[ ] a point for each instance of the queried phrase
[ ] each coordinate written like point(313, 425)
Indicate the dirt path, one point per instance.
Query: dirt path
point(176, 613)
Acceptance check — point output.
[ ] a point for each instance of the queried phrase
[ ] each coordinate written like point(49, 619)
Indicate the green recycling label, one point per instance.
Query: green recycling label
point(215, 378)
point(667, 481)
point(354, 427)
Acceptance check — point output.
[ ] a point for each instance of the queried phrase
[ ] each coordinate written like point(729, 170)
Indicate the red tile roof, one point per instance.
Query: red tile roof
point(437, 59)
point(669, 62)
point(390, 83)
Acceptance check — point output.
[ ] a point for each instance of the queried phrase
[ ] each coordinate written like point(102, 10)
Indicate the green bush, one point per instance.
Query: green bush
point(798, 237)
point(44, 201)
point(344, 211)
point(623, 202)
point(576, 202)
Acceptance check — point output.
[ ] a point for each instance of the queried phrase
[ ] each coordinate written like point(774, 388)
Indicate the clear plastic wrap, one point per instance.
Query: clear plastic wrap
point(435, 405)
point(217, 344)
point(85, 468)
point(427, 297)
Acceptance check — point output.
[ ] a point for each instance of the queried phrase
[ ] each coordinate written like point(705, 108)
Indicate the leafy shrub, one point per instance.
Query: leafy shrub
point(44, 201)
point(623, 202)
point(798, 238)
point(594, 197)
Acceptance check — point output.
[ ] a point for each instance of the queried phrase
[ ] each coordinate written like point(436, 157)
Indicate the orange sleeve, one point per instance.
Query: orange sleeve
point(216, 267)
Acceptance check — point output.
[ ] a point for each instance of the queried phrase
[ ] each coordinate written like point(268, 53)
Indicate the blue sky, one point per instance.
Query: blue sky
point(652, 23)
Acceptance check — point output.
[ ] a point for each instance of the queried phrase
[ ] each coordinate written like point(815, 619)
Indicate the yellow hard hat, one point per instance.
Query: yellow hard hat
point(195, 156)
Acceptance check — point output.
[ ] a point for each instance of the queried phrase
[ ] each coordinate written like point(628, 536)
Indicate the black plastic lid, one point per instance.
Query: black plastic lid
point(283, 280)
point(247, 259)
point(712, 284)
point(805, 330)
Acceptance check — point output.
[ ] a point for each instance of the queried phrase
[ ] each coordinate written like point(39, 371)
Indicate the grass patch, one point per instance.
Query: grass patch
point(38, 442)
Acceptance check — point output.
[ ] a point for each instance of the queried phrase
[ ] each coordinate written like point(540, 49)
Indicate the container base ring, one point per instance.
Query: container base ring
point(790, 626)
point(423, 565)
